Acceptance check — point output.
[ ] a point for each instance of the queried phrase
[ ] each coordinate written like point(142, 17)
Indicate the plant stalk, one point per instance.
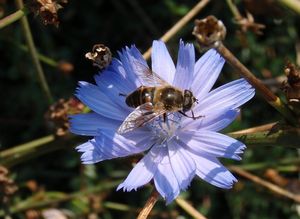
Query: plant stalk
point(178, 26)
point(13, 17)
point(149, 205)
point(33, 52)
point(292, 4)
point(267, 94)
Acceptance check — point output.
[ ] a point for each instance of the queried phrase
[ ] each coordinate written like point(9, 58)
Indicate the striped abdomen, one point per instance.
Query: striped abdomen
point(140, 96)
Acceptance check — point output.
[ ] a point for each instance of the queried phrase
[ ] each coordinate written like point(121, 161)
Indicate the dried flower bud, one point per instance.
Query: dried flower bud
point(58, 114)
point(209, 32)
point(47, 9)
point(100, 56)
point(291, 87)
point(7, 185)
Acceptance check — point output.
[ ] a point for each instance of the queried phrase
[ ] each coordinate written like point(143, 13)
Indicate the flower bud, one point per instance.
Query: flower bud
point(209, 32)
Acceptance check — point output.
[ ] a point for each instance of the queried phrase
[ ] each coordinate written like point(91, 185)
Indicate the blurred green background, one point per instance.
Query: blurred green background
point(55, 179)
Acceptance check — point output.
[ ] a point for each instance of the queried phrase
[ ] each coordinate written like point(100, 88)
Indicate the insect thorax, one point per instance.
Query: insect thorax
point(171, 98)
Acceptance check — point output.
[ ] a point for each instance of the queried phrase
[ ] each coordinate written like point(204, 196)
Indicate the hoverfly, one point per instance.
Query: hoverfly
point(151, 102)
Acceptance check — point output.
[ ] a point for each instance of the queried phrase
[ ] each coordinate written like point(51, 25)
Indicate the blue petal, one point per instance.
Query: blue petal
point(97, 101)
point(109, 145)
point(115, 75)
point(164, 179)
point(162, 63)
point(185, 66)
point(140, 175)
point(212, 143)
point(215, 121)
point(184, 168)
point(90, 123)
point(130, 57)
point(226, 97)
point(213, 172)
point(112, 85)
point(207, 70)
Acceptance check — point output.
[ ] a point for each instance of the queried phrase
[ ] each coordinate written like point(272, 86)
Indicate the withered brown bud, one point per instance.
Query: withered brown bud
point(100, 56)
point(292, 85)
point(58, 114)
point(47, 10)
point(7, 185)
point(209, 32)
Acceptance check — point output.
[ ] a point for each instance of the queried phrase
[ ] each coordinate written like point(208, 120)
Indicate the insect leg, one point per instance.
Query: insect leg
point(165, 117)
point(192, 117)
point(123, 95)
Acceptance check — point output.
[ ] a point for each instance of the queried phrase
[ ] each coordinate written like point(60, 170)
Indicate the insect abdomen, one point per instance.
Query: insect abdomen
point(140, 96)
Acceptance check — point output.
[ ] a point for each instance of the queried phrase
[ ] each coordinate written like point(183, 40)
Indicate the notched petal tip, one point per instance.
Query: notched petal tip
point(185, 66)
point(162, 63)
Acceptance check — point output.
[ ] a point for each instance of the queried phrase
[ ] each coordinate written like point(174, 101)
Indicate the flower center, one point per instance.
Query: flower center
point(164, 131)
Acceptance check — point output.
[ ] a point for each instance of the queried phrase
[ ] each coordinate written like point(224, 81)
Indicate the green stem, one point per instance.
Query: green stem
point(237, 15)
point(292, 4)
point(283, 164)
point(32, 203)
point(34, 55)
point(49, 61)
point(283, 138)
point(13, 17)
point(117, 206)
point(24, 148)
point(188, 208)
point(44, 59)
point(20, 153)
point(35, 148)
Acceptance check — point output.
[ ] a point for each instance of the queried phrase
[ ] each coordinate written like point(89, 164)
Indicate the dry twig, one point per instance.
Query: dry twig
point(183, 21)
point(149, 205)
point(266, 184)
point(189, 209)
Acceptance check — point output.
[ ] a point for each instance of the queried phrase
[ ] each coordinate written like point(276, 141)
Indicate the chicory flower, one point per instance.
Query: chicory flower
point(178, 149)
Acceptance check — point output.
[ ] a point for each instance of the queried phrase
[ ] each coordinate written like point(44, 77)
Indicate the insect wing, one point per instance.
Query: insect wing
point(148, 77)
point(139, 117)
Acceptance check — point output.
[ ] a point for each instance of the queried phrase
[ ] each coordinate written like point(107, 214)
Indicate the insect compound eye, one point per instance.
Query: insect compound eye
point(188, 100)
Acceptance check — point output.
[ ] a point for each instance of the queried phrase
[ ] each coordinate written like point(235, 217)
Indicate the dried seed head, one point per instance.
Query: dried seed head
point(209, 32)
point(7, 185)
point(58, 114)
point(291, 87)
point(47, 9)
point(293, 74)
point(100, 56)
